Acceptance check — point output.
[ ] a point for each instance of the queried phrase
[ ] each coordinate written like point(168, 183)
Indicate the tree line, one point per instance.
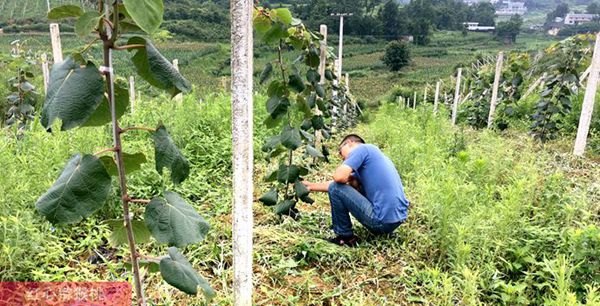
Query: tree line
point(387, 19)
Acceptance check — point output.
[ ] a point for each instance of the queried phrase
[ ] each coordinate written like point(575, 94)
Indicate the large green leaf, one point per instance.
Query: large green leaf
point(284, 207)
point(179, 273)
point(168, 155)
point(156, 69)
point(296, 83)
point(87, 23)
point(271, 144)
point(65, 11)
point(101, 115)
point(284, 15)
point(74, 93)
point(275, 33)
point(118, 237)
point(277, 106)
point(301, 190)
point(287, 174)
point(314, 152)
point(147, 14)
point(81, 189)
point(270, 198)
point(290, 138)
point(174, 222)
point(133, 162)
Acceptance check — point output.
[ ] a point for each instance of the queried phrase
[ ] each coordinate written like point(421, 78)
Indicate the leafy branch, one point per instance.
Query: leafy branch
point(80, 95)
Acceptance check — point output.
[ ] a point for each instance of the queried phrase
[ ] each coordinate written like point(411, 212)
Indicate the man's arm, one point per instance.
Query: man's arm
point(318, 187)
point(342, 174)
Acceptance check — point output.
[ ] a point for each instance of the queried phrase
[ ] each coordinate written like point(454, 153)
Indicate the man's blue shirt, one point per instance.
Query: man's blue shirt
point(380, 181)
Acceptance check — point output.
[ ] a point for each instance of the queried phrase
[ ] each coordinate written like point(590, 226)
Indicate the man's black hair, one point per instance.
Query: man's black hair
point(352, 137)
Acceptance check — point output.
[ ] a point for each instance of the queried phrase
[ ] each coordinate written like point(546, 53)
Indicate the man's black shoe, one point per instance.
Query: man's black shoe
point(349, 241)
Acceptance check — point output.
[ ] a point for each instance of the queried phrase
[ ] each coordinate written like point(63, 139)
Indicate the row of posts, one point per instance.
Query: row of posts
point(593, 74)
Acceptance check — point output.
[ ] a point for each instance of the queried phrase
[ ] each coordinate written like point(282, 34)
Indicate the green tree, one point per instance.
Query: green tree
point(593, 8)
point(397, 55)
point(508, 30)
point(484, 13)
point(561, 10)
point(389, 16)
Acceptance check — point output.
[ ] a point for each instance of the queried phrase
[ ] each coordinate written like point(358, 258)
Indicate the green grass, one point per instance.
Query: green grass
point(494, 217)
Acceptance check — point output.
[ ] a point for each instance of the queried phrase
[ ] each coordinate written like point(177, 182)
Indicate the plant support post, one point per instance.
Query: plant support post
point(495, 89)
point(589, 99)
point(456, 96)
point(242, 125)
point(132, 93)
point(415, 101)
point(56, 44)
point(45, 72)
point(436, 99)
point(178, 97)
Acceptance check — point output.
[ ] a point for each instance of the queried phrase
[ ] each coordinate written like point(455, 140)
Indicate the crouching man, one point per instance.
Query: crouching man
point(366, 185)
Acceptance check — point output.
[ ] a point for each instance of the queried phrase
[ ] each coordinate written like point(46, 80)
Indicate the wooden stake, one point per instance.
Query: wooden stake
point(323, 57)
point(589, 99)
point(179, 97)
point(45, 72)
point(456, 96)
point(436, 99)
point(132, 93)
point(425, 95)
point(347, 80)
point(56, 45)
point(334, 93)
point(322, 68)
point(242, 131)
point(495, 88)
point(415, 101)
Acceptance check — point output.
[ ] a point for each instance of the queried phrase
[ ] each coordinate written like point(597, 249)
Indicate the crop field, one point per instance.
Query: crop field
point(484, 207)
point(503, 209)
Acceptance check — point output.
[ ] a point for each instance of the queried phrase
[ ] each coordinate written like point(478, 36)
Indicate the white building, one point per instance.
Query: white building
point(512, 8)
point(475, 27)
point(573, 18)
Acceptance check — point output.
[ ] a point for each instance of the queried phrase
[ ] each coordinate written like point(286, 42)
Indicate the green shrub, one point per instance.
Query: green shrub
point(397, 55)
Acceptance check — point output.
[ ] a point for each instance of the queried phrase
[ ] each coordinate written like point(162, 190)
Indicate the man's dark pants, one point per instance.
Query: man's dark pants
point(346, 200)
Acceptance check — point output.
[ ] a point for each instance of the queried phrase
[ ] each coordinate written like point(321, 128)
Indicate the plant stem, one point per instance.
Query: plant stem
point(137, 128)
point(141, 201)
point(108, 34)
point(105, 151)
point(127, 47)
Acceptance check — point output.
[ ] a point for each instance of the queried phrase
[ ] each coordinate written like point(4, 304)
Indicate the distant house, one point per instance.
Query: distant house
point(470, 2)
point(573, 19)
point(553, 31)
point(510, 8)
point(475, 27)
point(407, 38)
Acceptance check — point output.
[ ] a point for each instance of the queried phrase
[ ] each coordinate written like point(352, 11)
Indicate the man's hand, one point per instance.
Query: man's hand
point(317, 187)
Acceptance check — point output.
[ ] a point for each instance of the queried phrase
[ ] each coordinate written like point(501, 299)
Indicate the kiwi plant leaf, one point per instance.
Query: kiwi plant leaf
point(147, 14)
point(153, 67)
point(81, 189)
point(177, 271)
point(74, 93)
point(168, 155)
point(173, 221)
